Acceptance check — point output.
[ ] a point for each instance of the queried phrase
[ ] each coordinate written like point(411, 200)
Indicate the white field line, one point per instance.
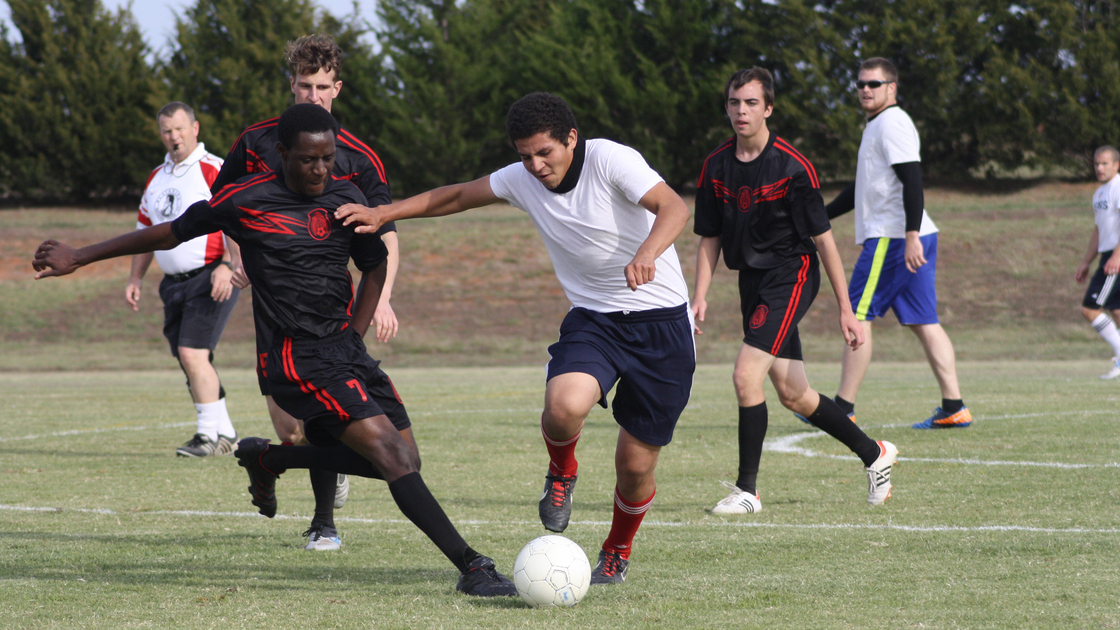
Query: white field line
point(646, 523)
point(89, 431)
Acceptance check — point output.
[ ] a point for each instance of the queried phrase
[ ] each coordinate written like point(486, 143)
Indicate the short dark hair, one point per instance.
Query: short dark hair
point(1107, 149)
point(175, 106)
point(310, 53)
point(537, 112)
point(890, 73)
point(304, 118)
point(743, 77)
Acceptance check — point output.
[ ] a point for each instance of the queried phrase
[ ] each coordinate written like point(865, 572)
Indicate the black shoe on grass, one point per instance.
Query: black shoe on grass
point(483, 580)
point(262, 481)
point(556, 502)
point(610, 569)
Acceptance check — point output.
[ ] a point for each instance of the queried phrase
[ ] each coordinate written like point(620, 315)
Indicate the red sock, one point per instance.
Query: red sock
point(627, 518)
point(562, 455)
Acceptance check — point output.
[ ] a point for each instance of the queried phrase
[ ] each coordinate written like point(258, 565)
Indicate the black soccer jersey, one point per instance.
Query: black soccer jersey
point(766, 211)
point(295, 252)
point(255, 152)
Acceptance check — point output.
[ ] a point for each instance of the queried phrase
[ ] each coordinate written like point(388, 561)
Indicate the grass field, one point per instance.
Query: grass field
point(1012, 523)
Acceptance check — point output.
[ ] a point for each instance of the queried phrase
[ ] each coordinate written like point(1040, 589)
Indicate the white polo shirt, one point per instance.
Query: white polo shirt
point(170, 190)
point(594, 230)
point(1106, 214)
point(889, 138)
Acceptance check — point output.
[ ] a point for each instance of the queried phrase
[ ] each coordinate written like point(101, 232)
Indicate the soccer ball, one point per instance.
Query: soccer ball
point(551, 571)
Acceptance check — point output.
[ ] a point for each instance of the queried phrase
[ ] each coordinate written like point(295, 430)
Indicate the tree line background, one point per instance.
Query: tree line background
point(996, 87)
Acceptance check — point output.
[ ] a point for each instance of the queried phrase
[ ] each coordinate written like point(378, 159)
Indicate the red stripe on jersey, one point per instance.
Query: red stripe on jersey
point(209, 172)
point(704, 169)
point(261, 125)
point(785, 146)
point(226, 192)
point(350, 140)
point(794, 300)
point(141, 216)
point(215, 247)
point(268, 222)
point(143, 219)
point(290, 373)
point(771, 192)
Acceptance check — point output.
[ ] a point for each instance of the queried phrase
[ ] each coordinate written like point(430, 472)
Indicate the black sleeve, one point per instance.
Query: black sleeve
point(843, 203)
point(366, 250)
point(708, 220)
point(201, 219)
point(806, 207)
point(913, 199)
point(233, 168)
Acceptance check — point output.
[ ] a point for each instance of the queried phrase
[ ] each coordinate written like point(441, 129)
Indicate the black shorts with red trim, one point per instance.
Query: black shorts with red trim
point(773, 302)
point(328, 382)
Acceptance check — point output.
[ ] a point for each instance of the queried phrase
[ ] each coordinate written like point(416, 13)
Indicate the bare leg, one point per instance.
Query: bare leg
point(853, 366)
point(942, 358)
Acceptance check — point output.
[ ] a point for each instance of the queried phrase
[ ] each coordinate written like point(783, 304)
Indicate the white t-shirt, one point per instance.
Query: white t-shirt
point(1106, 213)
point(889, 138)
point(594, 230)
point(170, 190)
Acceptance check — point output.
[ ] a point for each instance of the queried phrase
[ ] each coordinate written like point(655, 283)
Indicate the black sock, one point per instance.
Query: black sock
point(832, 420)
point(752, 432)
point(847, 407)
point(417, 503)
point(951, 406)
point(338, 458)
point(323, 484)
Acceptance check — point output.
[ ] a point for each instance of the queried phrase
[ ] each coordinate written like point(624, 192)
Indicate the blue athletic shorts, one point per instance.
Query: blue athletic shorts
point(650, 354)
point(1102, 293)
point(881, 281)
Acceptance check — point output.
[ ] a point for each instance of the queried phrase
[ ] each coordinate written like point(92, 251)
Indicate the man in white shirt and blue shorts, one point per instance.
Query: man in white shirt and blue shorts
point(1102, 294)
point(897, 267)
point(608, 221)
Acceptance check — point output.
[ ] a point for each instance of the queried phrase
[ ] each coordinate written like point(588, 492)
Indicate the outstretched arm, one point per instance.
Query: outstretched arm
point(672, 216)
point(830, 258)
point(59, 259)
point(434, 203)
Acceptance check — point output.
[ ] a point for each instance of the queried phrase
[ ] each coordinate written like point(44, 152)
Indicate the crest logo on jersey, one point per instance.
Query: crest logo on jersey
point(319, 224)
point(169, 204)
point(744, 199)
point(770, 192)
point(759, 316)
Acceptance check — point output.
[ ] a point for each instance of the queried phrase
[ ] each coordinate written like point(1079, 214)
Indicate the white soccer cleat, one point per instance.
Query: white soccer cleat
point(879, 474)
point(738, 502)
point(1114, 371)
point(341, 491)
point(322, 538)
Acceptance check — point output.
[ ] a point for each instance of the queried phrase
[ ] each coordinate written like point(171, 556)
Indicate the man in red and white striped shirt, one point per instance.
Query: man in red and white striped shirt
point(197, 294)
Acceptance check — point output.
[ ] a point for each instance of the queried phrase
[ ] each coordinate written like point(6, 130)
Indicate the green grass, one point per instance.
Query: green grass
point(1010, 523)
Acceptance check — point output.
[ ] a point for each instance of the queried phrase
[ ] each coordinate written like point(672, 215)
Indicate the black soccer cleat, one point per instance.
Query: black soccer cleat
point(610, 569)
point(556, 502)
point(262, 481)
point(483, 580)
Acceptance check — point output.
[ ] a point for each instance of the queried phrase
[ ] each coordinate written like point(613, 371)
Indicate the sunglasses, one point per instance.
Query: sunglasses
point(874, 85)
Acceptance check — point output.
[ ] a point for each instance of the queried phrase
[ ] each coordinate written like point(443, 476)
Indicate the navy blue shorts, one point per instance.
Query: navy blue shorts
point(881, 281)
point(773, 302)
point(1102, 293)
point(328, 382)
point(650, 354)
point(191, 318)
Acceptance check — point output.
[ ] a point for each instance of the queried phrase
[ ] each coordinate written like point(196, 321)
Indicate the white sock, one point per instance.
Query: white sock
point(213, 419)
point(1106, 328)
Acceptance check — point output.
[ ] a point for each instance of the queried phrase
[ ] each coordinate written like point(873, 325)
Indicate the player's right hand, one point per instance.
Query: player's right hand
point(369, 220)
point(132, 293)
point(1081, 274)
point(54, 259)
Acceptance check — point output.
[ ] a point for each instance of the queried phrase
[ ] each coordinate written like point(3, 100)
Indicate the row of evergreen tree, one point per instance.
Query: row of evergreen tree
point(994, 86)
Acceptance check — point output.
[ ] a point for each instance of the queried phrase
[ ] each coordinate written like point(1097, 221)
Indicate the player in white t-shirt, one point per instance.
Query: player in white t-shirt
point(1102, 294)
point(609, 222)
point(897, 267)
point(196, 290)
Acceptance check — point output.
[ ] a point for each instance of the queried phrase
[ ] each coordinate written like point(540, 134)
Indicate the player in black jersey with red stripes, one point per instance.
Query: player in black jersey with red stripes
point(314, 63)
point(758, 200)
point(296, 255)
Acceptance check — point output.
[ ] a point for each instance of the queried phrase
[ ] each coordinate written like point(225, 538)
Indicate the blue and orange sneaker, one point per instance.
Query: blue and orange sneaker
point(942, 420)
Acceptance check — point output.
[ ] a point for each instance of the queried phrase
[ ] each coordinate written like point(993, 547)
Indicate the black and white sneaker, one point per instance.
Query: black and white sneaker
point(262, 481)
point(322, 538)
point(202, 446)
point(556, 502)
point(483, 580)
point(610, 569)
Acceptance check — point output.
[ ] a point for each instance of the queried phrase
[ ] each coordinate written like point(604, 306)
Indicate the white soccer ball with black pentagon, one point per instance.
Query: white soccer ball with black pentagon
point(551, 571)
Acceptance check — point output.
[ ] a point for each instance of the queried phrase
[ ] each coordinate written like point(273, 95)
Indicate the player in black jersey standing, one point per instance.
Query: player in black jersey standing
point(758, 200)
point(296, 255)
point(314, 63)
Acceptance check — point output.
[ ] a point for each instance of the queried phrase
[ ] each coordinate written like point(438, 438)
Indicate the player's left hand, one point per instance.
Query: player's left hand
point(915, 254)
point(369, 220)
point(852, 329)
point(221, 287)
point(54, 259)
point(640, 271)
point(384, 323)
point(239, 278)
